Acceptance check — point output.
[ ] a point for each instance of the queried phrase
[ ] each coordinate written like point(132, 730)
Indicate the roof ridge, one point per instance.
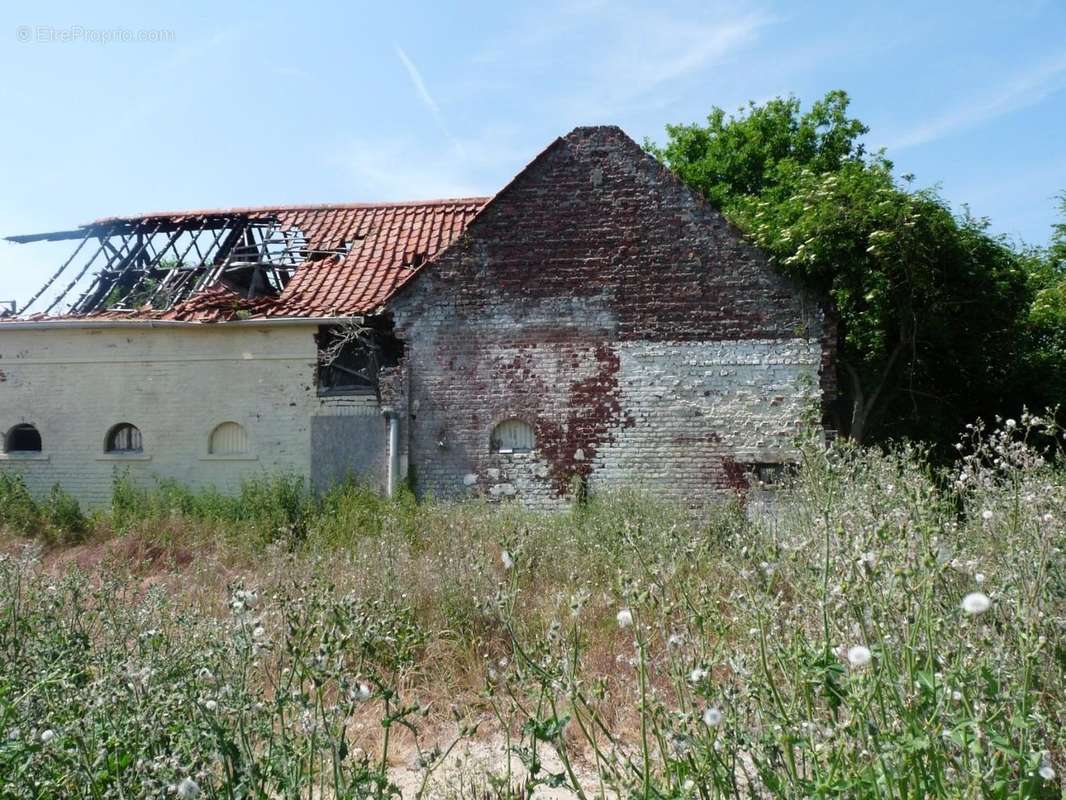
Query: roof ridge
point(198, 212)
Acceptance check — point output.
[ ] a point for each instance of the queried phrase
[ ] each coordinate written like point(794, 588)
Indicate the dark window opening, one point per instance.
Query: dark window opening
point(22, 439)
point(512, 436)
point(769, 473)
point(352, 356)
point(124, 438)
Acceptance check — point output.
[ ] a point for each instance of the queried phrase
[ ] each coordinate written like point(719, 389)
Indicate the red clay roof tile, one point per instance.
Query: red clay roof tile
point(386, 239)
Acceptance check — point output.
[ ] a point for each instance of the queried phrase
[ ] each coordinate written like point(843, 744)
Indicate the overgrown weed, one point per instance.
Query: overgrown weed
point(883, 629)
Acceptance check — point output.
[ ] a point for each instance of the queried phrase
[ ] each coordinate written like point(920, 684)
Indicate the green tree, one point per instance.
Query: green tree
point(1041, 377)
point(927, 302)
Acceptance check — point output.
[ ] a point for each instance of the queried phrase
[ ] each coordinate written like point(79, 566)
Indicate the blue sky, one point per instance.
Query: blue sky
point(256, 104)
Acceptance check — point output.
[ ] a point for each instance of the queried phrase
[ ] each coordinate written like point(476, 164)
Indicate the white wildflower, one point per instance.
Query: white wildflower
point(188, 789)
point(956, 695)
point(1047, 772)
point(697, 675)
point(48, 735)
point(859, 656)
point(976, 603)
point(1010, 423)
point(625, 618)
point(507, 560)
point(986, 515)
point(211, 705)
point(362, 692)
point(712, 717)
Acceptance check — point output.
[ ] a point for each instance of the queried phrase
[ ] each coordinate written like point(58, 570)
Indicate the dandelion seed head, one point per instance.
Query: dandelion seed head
point(48, 735)
point(986, 514)
point(976, 603)
point(859, 656)
point(979, 577)
point(625, 618)
point(712, 717)
point(1047, 772)
point(697, 675)
point(188, 789)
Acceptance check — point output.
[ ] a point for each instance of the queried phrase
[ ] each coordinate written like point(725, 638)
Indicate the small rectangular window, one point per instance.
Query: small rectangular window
point(350, 357)
point(513, 436)
point(768, 474)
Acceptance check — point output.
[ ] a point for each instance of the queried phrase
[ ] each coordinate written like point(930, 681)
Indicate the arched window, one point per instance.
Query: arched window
point(512, 436)
point(22, 439)
point(124, 438)
point(228, 439)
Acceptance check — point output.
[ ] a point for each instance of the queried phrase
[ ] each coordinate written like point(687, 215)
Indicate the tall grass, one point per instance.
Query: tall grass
point(884, 629)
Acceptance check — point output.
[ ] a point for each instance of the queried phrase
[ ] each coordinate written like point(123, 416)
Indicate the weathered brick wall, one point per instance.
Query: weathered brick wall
point(176, 385)
point(603, 302)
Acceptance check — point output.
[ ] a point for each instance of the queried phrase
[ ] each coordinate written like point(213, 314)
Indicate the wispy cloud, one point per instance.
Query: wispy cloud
point(403, 168)
point(616, 59)
point(663, 50)
point(1023, 90)
point(423, 93)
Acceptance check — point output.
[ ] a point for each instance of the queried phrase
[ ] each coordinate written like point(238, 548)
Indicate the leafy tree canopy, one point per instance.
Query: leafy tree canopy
point(928, 303)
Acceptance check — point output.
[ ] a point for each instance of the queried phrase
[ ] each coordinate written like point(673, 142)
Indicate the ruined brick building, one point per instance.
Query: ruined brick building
point(594, 323)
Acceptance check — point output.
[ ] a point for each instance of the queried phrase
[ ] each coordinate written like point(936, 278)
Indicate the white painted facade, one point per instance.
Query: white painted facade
point(177, 384)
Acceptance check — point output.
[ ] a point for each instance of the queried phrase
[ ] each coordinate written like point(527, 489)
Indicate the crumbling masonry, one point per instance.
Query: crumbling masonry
point(595, 323)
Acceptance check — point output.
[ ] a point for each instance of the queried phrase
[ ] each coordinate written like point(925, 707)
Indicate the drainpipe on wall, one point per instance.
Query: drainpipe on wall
point(392, 475)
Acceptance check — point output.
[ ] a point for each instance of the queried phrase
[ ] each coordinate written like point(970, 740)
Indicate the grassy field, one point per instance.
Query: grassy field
point(888, 630)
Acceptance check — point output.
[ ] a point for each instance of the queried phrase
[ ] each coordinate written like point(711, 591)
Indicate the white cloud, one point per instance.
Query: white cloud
point(614, 59)
point(403, 168)
point(1023, 90)
point(423, 93)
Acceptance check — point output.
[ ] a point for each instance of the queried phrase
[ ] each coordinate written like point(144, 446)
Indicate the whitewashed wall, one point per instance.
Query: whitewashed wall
point(176, 385)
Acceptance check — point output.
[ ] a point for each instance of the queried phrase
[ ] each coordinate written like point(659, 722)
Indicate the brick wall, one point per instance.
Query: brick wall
point(603, 302)
point(176, 385)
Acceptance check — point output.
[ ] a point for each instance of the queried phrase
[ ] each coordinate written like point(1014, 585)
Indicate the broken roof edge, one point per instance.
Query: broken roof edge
point(75, 323)
point(238, 211)
point(267, 209)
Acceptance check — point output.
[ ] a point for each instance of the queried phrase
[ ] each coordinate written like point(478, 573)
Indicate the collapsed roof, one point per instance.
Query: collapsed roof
point(311, 261)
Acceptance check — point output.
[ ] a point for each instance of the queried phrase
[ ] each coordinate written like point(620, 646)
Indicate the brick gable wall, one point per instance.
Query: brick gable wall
point(599, 299)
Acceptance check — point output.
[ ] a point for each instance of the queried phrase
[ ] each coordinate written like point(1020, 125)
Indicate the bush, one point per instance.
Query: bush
point(64, 517)
point(18, 510)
